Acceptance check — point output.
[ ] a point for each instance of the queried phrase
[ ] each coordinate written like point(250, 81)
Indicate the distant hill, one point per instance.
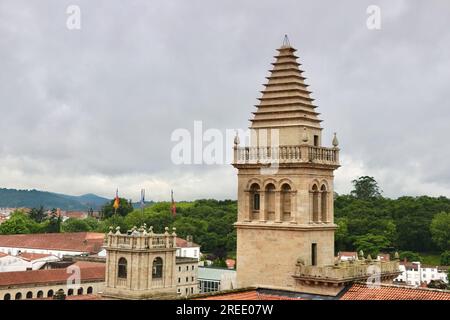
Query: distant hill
point(34, 198)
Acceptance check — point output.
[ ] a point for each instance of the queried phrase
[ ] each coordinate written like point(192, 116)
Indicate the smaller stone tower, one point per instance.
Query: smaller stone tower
point(140, 264)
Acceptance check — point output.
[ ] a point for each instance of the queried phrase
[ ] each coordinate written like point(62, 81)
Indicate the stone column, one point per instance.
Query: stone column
point(247, 206)
point(311, 207)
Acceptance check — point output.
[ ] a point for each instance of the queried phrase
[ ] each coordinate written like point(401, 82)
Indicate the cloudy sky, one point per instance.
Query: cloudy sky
point(93, 109)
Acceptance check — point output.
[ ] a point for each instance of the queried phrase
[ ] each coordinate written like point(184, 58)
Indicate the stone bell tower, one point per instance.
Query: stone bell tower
point(285, 228)
point(285, 183)
point(140, 264)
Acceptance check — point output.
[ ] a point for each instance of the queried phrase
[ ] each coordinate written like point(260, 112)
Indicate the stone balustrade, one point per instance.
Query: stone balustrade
point(140, 239)
point(343, 271)
point(286, 154)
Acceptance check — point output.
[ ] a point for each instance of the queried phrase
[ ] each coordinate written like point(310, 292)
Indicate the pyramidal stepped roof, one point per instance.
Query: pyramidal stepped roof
point(286, 99)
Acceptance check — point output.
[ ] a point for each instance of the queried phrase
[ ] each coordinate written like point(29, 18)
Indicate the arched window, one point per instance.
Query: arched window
point(157, 271)
point(286, 202)
point(7, 297)
point(70, 292)
point(50, 293)
point(18, 296)
point(80, 291)
point(270, 201)
point(315, 208)
point(29, 295)
point(122, 268)
point(255, 201)
point(90, 290)
point(40, 294)
point(323, 205)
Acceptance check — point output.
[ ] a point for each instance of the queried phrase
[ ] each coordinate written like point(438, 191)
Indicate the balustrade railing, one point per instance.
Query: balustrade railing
point(286, 154)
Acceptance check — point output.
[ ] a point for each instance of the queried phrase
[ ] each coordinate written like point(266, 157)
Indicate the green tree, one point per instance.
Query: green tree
point(410, 256)
point(445, 259)
point(54, 225)
point(75, 225)
point(365, 188)
point(440, 230)
point(125, 207)
point(38, 214)
point(371, 244)
point(19, 223)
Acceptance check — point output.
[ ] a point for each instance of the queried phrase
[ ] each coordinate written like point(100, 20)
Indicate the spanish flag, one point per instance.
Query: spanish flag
point(116, 200)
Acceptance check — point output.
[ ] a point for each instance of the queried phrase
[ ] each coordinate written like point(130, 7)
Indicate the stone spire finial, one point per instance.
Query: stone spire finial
point(286, 42)
point(361, 255)
point(166, 230)
point(305, 135)
point(236, 139)
point(150, 229)
point(369, 258)
point(396, 256)
point(174, 231)
point(118, 230)
point(110, 230)
point(335, 141)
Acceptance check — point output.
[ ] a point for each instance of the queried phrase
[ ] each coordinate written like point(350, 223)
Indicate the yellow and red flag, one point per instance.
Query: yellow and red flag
point(116, 200)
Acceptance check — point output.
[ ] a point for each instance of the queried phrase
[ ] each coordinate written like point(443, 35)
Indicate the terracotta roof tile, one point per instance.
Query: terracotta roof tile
point(248, 295)
point(182, 243)
point(392, 292)
point(33, 256)
point(89, 271)
point(77, 241)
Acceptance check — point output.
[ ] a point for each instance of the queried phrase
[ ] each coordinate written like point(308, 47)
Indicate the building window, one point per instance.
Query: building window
point(323, 205)
point(89, 290)
point(70, 292)
point(255, 199)
point(179, 291)
point(122, 270)
point(314, 254)
point(193, 267)
point(192, 290)
point(157, 268)
point(40, 294)
point(187, 279)
point(29, 295)
point(316, 140)
point(18, 296)
point(80, 291)
point(270, 201)
point(315, 208)
point(179, 280)
point(50, 293)
point(192, 279)
point(187, 268)
point(179, 269)
point(286, 202)
point(7, 297)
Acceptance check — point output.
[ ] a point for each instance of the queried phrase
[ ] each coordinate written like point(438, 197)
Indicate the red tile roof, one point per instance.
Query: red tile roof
point(76, 241)
point(75, 214)
point(182, 243)
point(89, 271)
point(33, 256)
point(391, 292)
point(248, 295)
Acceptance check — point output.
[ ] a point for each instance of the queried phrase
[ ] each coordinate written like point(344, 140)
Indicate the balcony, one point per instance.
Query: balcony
point(286, 154)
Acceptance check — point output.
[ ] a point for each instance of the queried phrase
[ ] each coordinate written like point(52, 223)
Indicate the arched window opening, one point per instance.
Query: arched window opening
point(50, 293)
point(90, 290)
point(80, 291)
point(18, 296)
point(122, 270)
point(29, 295)
point(40, 294)
point(286, 202)
point(255, 201)
point(323, 205)
point(7, 297)
point(315, 207)
point(157, 268)
point(70, 292)
point(270, 201)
